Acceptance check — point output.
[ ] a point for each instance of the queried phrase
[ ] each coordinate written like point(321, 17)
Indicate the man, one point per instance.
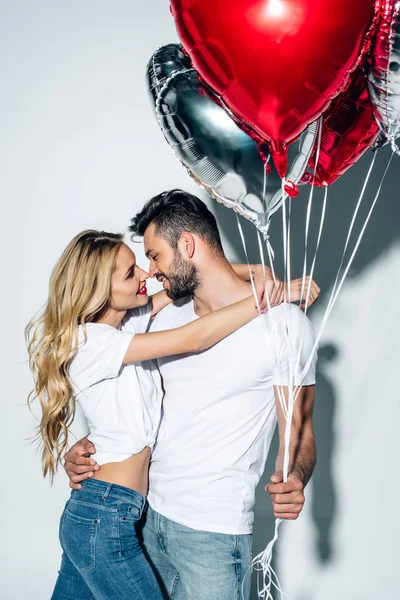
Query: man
point(220, 412)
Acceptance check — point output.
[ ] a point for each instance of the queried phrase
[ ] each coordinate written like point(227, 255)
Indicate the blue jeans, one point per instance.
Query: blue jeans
point(102, 558)
point(197, 565)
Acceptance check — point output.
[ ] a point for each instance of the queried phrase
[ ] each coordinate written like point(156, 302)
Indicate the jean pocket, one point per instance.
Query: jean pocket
point(130, 513)
point(78, 533)
point(129, 545)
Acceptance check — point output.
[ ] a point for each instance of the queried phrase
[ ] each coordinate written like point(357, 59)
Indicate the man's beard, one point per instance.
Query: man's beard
point(183, 278)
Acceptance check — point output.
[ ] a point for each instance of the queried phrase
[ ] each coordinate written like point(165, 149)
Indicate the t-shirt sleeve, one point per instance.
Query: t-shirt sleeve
point(137, 319)
point(100, 356)
point(292, 345)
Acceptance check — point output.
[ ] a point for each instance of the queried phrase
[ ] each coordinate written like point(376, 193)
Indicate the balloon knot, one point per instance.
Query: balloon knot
point(290, 188)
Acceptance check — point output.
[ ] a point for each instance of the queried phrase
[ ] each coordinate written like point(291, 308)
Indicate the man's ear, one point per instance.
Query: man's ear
point(187, 244)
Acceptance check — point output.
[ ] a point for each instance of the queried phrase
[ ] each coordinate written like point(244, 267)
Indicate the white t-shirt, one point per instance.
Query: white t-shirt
point(219, 417)
point(122, 403)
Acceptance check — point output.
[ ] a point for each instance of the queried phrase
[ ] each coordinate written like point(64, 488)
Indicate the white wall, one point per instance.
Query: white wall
point(79, 147)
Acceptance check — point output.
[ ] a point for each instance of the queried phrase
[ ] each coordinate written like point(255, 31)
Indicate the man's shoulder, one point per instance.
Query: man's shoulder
point(288, 322)
point(287, 315)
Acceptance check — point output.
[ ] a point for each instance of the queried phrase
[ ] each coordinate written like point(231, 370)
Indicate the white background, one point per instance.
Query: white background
point(80, 148)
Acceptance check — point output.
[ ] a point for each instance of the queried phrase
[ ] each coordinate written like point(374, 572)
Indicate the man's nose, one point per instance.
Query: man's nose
point(153, 271)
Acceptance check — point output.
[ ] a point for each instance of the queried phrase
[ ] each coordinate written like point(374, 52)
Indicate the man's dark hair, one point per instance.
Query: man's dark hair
point(174, 212)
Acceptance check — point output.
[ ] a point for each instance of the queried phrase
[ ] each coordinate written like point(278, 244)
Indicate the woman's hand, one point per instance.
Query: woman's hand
point(269, 292)
point(272, 292)
point(298, 291)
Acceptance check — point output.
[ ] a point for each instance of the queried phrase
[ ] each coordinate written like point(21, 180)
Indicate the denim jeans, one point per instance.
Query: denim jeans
point(197, 565)
point(102, 558)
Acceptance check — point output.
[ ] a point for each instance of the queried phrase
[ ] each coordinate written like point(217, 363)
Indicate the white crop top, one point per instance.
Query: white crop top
point(121, 403)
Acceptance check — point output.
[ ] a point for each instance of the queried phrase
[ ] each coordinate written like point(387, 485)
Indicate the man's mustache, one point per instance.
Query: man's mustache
point(159, 275)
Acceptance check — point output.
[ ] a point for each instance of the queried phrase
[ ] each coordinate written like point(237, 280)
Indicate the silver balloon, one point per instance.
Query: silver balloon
point(217, 153)
point(383, 70)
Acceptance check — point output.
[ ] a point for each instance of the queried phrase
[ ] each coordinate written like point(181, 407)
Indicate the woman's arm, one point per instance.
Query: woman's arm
point(193, 337)
point(263, 281)
point(244, 271)
point(297, 290)
point(263, 278)
point(159, 301)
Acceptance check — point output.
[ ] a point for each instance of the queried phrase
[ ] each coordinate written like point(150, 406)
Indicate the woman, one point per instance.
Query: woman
point(79, 351)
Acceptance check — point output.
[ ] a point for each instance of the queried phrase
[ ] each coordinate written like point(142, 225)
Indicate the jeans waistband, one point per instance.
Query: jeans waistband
point(110, 490)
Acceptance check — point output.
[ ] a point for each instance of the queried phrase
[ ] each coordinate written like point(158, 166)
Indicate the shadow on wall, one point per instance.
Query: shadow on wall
point(381, 233)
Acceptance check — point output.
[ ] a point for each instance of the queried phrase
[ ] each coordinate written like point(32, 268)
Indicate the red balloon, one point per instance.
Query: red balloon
point(275, 64)
point(349, 128)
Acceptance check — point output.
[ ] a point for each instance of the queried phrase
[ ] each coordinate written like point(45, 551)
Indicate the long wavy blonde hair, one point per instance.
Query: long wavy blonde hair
point(79, 292)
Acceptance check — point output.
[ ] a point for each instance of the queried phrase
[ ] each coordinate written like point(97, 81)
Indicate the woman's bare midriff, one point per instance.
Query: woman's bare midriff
point(132, 473)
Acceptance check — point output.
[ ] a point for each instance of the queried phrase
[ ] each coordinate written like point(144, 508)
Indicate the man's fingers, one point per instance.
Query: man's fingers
point(290, 516)
point(83, 450)
point(78, 460)
point(75, 486)
point(290, 498)
point(79, 469)
point(287, 508)
point(78, 478)
point(284, 488)
point(277, 477)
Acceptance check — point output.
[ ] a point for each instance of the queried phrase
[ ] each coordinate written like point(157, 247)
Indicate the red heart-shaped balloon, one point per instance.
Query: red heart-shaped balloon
point(349, 128)
point(275, 64)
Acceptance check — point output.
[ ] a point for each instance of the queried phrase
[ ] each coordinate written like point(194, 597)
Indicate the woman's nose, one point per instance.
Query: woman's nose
point(144, 274)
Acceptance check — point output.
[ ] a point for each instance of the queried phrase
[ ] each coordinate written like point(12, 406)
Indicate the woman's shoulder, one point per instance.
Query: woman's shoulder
point(95, 337)
point(95, 331)
point(99, 355)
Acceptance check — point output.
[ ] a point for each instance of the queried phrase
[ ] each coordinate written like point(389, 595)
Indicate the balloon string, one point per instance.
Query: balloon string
point(308, 215)
point(314, 260)
point(265, 228)
point(339, 283)
point(267, 337)
point(306, 236)
point(272, 352)
point(262, 562)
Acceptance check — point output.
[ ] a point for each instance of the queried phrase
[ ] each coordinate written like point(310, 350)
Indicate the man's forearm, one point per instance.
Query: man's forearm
point(302, 458)
point(305, 459)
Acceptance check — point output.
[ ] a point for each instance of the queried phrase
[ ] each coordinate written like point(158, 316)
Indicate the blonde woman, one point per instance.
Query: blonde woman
point(79, 351)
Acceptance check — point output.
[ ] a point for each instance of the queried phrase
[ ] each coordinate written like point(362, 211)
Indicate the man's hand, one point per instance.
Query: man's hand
point(78, 464)
point(287, 498)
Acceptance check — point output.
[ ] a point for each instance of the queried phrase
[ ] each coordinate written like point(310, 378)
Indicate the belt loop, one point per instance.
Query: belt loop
point(108, 490)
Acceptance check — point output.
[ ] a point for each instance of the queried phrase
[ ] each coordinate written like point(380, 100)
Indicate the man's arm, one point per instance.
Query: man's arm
point(288, 497)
